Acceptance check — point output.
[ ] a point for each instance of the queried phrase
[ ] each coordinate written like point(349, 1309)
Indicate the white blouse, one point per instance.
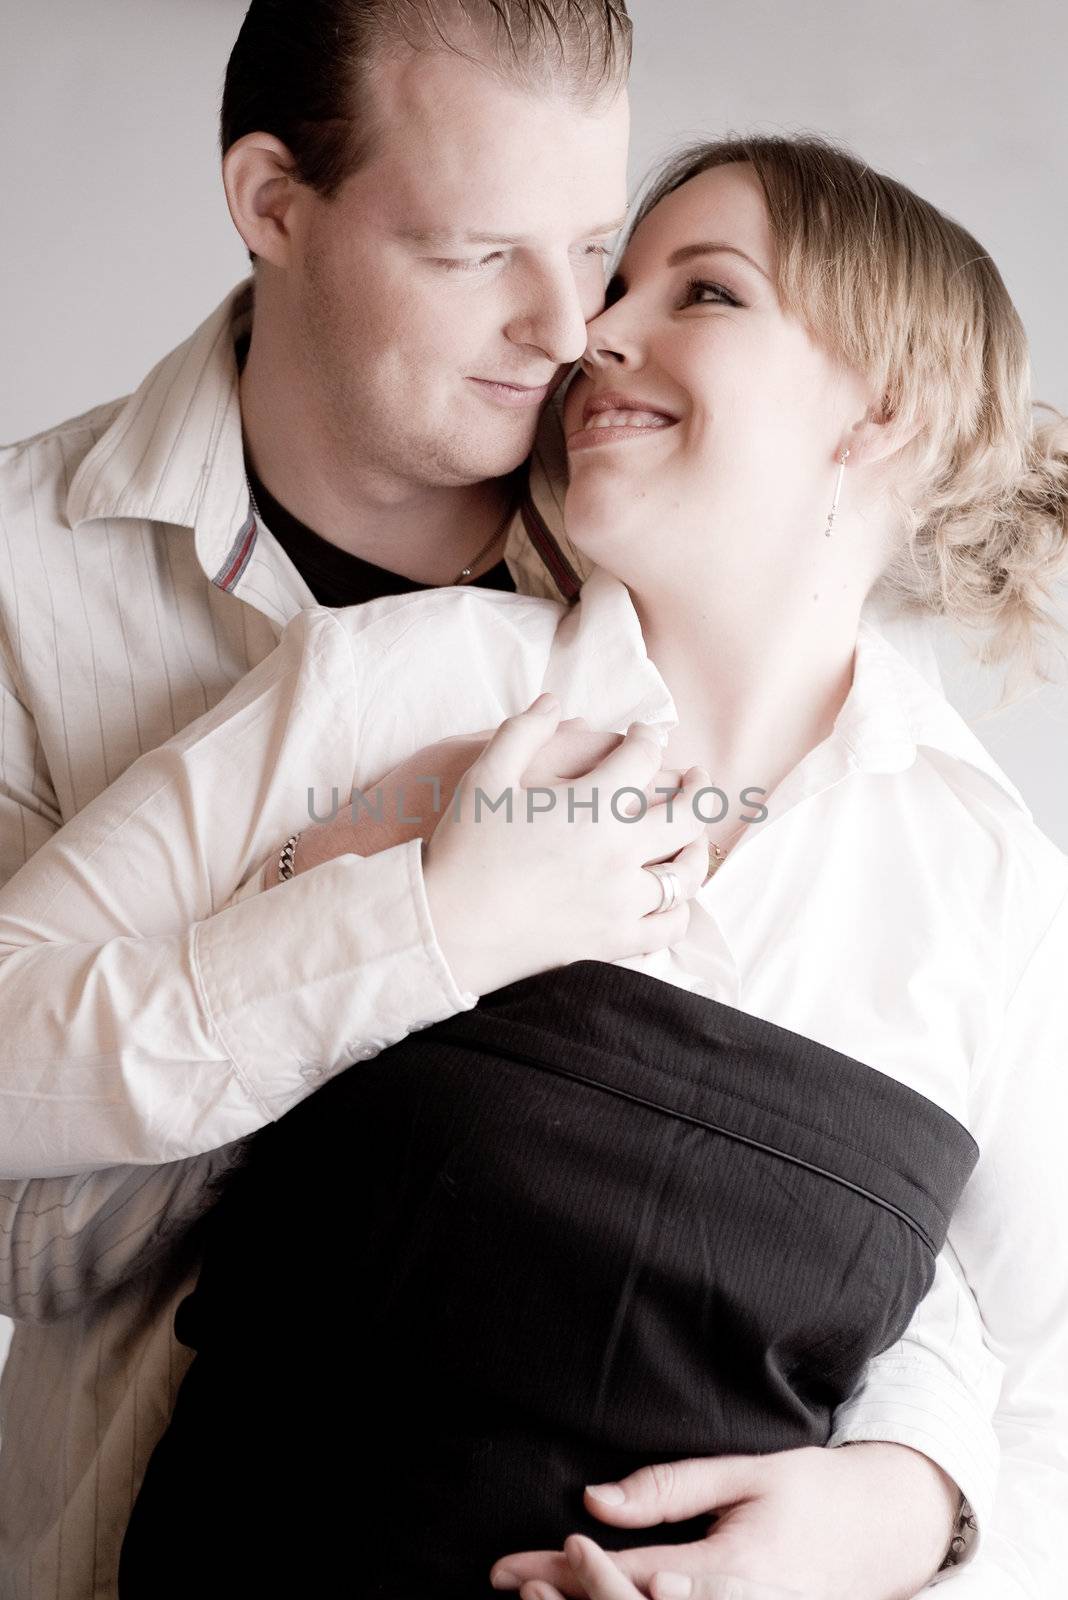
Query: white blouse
point(898, 905)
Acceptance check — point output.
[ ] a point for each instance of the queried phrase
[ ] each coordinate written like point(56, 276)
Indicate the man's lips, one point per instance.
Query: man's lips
point(512, 394)
point(617, 418)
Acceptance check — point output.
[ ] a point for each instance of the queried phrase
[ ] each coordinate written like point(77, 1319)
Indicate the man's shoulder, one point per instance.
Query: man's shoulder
point(36, 472)
point(85, 427)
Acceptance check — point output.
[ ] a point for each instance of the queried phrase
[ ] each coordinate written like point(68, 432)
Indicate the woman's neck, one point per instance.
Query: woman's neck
point(758, 679)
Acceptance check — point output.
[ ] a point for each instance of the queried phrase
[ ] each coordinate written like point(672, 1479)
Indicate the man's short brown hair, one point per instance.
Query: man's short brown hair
point(300, 69)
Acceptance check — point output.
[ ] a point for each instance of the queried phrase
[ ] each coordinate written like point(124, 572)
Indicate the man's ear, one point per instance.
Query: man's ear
point(879, 435)
point(262, 189)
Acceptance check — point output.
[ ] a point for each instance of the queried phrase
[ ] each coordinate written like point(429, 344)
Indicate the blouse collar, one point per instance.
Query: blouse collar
point(892, 711)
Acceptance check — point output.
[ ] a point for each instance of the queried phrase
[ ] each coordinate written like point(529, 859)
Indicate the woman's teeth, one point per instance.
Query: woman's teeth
point(629, 419)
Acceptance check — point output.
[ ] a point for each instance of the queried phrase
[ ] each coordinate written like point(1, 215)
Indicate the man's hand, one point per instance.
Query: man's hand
point(599, 1578)
point(408, 801)
point(868, 1522)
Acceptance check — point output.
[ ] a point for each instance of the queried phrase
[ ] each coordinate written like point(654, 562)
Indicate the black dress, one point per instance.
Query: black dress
point(597, 1222)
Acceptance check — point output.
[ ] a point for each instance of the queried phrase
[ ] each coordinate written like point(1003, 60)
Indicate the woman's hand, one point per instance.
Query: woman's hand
point(521, 879)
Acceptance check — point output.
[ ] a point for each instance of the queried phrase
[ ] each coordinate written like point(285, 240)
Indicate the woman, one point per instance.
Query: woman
point(737, 1192)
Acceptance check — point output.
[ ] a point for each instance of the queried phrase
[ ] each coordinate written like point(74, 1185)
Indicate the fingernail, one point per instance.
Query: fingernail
point(609, 1494)
point(673, 1586)
point(545, 704)
point(505, 1580)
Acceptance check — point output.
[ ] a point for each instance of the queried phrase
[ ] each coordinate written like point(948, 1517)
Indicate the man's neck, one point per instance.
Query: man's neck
point(426, 533)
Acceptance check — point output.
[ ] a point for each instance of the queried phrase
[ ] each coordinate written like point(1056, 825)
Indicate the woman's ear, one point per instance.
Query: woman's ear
point(262, 189)
point(879, 435)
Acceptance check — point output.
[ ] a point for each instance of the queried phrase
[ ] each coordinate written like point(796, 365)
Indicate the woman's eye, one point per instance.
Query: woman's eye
point(699, 292)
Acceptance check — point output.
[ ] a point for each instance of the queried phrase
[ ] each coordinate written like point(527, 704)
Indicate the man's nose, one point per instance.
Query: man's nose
point(553, 318)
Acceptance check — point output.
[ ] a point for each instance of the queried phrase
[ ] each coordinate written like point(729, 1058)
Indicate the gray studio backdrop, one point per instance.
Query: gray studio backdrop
point(116, 239)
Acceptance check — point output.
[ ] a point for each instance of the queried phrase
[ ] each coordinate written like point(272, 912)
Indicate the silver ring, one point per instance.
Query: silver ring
point(670, 888)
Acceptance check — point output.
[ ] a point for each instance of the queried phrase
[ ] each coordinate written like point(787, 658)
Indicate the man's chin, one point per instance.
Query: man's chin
point(477, 461)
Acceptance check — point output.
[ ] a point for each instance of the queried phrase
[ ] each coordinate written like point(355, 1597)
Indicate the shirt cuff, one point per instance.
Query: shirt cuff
point(329, 968)
point(904, 1406)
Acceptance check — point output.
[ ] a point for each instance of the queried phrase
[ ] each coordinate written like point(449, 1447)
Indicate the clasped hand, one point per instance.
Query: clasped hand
point(518, 890)
point(869, 1522)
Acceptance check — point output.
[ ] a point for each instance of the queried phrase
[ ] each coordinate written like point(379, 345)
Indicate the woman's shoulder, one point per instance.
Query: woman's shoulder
point(1003, 865)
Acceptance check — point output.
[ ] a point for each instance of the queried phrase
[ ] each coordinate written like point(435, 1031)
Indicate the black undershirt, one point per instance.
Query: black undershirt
point(336, 577)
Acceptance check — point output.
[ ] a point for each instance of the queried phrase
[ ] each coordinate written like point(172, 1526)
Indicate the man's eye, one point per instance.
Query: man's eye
point(700, 292)
point(471, 264)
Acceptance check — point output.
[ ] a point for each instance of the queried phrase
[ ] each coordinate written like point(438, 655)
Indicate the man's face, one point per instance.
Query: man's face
point(438, 294)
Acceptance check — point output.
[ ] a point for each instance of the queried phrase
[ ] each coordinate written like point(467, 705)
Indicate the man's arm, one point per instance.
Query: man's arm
point(66, 1241)
point(141, 1022)
point(1008, 1234)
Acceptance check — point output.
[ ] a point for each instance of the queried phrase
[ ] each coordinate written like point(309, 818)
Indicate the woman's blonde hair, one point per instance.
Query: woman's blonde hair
point(906, 296)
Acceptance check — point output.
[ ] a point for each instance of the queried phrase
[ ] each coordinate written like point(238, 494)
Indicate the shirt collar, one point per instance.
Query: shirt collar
point(173, 453)
point(893, 711)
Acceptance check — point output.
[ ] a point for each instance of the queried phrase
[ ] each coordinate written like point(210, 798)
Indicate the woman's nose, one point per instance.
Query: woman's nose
point(610, 342)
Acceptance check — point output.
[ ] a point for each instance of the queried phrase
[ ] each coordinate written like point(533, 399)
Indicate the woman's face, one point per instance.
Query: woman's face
point(705, 423)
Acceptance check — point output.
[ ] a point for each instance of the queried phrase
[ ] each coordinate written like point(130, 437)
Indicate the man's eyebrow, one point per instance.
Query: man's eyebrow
point(449, 237)
point(711, 247)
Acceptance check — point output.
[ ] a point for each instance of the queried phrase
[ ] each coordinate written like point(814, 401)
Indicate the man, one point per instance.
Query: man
point(427, 192)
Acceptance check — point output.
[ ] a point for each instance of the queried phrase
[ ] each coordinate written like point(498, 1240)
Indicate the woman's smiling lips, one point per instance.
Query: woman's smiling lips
point(617, 418)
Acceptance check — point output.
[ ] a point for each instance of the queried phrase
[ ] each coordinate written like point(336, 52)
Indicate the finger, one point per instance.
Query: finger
point(668, 779)
point(577, 754)
point(702, 1566)
point(516, 743)
point(715, 1586)
point(671, 1491)
point(630, 765)
point(548, 1566)
point(690, 868)
point(547, 1591)
point(667, 828)
point(663, 929)
point(598, 1572)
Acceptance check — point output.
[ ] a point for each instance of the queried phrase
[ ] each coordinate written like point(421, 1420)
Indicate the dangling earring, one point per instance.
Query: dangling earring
point(837, 492)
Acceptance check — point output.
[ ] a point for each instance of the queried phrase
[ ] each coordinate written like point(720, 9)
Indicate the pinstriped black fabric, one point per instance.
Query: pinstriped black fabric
point(599, 1221)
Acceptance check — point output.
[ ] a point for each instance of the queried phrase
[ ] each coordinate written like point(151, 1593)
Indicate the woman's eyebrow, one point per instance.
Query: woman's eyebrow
point(713, 247)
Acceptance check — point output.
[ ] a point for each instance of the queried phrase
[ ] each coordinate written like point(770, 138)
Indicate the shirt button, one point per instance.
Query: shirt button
point(312, 1073)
